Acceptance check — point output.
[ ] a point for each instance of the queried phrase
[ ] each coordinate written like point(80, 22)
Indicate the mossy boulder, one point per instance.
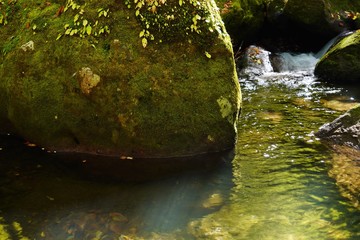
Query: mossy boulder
point(313, 16)
point(124, 78)
point(243, 18)
point(341, 64)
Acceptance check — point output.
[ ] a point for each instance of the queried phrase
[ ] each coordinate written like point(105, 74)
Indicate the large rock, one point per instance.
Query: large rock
point(129, 78)
point(312, 15)
point(243, 18)
point(341, 64)
point(345, 130)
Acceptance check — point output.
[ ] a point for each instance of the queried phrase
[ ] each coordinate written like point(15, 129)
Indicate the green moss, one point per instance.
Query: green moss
point(243, 18)
point(174, 20)
point(341, 62)
point(338, 5)
point(143, 104)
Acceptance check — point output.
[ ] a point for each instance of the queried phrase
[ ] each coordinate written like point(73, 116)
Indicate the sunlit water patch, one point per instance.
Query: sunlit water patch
point(281, 171)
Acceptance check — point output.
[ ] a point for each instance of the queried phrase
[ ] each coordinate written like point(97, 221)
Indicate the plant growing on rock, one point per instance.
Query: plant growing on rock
point(164, 20)
point(80, 25)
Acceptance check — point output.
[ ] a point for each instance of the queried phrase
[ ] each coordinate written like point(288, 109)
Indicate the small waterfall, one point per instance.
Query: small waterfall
point(287, 61)
point(330, 43)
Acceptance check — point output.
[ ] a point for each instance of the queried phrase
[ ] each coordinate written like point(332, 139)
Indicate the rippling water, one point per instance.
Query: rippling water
point(280, 171)
point(276, 187)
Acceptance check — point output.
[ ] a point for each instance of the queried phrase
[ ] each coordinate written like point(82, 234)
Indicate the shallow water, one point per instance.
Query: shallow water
point(277, 186)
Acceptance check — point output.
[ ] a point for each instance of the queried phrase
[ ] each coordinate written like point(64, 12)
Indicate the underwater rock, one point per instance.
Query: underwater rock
point(345, 130)
point(341, 64)
point(133, 79)
point(345, 170)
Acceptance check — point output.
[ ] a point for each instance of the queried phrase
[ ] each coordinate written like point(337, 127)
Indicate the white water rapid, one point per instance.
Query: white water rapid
point(294, 62)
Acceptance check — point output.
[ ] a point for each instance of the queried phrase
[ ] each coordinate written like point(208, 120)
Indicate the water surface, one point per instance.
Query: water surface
point(277, 186)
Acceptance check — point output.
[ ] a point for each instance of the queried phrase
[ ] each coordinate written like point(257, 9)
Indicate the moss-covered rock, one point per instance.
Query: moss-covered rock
point(243, 18)
point(311, 15)
point(140, 78)
point(341, 64)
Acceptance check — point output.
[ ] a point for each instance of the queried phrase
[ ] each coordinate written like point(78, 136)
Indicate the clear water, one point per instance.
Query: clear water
point(277, 186)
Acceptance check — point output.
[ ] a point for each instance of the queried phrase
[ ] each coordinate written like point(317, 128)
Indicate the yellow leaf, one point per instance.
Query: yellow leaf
point(141, 34)
point(76, 17)
point(74, 31)
point(88, 30)
point(208, 55)
point(59, 36)
point(144, 42)
point(67, 32)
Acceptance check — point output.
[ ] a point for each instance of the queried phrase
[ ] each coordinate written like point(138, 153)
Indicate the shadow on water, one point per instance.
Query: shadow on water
point(43, 196)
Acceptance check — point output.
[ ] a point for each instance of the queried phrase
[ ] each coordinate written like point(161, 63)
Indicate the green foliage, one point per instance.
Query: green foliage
point(81, 25)
point(163, 20)
point(10, 45)
point(6, 10)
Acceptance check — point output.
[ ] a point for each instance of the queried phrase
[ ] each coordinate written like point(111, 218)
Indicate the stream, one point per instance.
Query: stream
point(276, 185)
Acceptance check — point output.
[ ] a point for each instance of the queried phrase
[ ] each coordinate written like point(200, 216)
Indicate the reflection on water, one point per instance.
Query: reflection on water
point(281, 183)
point(49, 200)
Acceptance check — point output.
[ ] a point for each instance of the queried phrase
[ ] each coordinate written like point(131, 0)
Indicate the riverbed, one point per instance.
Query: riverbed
point(276, 184)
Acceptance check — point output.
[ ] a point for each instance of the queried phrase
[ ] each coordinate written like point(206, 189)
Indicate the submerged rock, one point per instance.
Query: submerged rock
point(345, 170)
point(341, 64)
point(130, 78)
point(345, 130)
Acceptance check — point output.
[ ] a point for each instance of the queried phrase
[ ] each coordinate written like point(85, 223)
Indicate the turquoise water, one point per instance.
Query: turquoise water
point(276, 186)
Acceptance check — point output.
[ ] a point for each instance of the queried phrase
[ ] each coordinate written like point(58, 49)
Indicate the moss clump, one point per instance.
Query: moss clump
point(174, 20)
point(341, 63)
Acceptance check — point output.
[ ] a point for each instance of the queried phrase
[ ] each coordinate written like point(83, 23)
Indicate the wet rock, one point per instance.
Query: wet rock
point(345, 130)
point(256, 62)
point(122, 80)
point(341, 63)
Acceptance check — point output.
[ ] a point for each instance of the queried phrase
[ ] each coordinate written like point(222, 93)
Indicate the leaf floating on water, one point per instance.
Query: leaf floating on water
point(29, 144)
